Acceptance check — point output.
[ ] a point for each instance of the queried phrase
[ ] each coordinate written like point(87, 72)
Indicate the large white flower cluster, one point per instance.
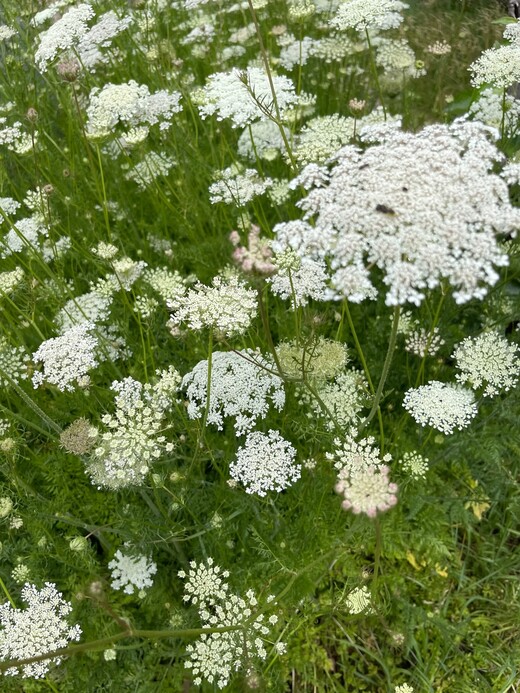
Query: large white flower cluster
point(245, 96)
point(237, 187)
point(133, 438)
point(490, 360)
point(228, 306)
point(71, 32)
point(499, 66)
point(441, 405)
point(39, 629)
point(241, 386)
point(265, 463)
point(130, 104)
point(68, 358)
point(422, 207)
point(131, 572)
point(363, 476)
point(369, 14)
point(214, 656)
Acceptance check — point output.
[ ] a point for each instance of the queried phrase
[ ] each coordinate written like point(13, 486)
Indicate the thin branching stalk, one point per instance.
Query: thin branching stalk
point(265, 59)
point(386, 368)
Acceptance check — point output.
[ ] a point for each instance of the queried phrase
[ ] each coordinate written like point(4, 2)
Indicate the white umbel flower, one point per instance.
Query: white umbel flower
point(37, 630)
point(63, 34)
point(67, 358)
point(489, 360)
point(369, 14)
point(441, 405)
point(131, 572)
point(265, 463)
point(227, 306)
point(229, 95)
point(423, 207)
point(241, 387)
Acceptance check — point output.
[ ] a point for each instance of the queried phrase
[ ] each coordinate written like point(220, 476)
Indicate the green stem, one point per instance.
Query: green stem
point(374, 70)
point(386, 368)
point(278, 119)
point(377, 550)
point(36, 409)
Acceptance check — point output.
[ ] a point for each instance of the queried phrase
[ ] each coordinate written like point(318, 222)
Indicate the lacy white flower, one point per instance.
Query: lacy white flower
point(441, 405)
point(322, 136)
point(388, 206)
point(131, 104)
point(134, 438)
point(91, 307)
point(130, 572)
point(230, 95)
point(301, 282)
point(404, 688)
point(37, 630)
point(369, 14)
point(167, 283)
point(344, 398)
point(490, 360)
point(215, 656)
point(67, 358)
point(265, 463)
point(241, 387)
point(13, 363)
point(363, 477)
point(227, 306)
point(366, 490)
point(205, 583)
point(421, 342)
point(63, 34)
point(257, 256)
point(6, 505)
point(489, 107)
point(499, 66)
point(321, 360)
point(9, 281)
point(152, 166)
point(237, 187)
point(359, 601)
point(415, 465)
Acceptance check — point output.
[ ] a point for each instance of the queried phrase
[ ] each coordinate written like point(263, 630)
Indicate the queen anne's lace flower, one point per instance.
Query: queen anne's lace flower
point(241, 386)
point(415, 465)
point(441, 405)
point(265, 463)
point(63, 34)
point(421, 207)
point(359, 601)
point(130, 104)
point(133, 439)
point(238, 187)
point(307, 279)
point(488, 359)
point(499, 66)
point(13, 363)
point(227, 306)
point(130, 572)
point(39, 629)
point(205, 584)
point(67, 358)
point(214, 656)
point(369, 14)
point(363, 477)
point(230, 95)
